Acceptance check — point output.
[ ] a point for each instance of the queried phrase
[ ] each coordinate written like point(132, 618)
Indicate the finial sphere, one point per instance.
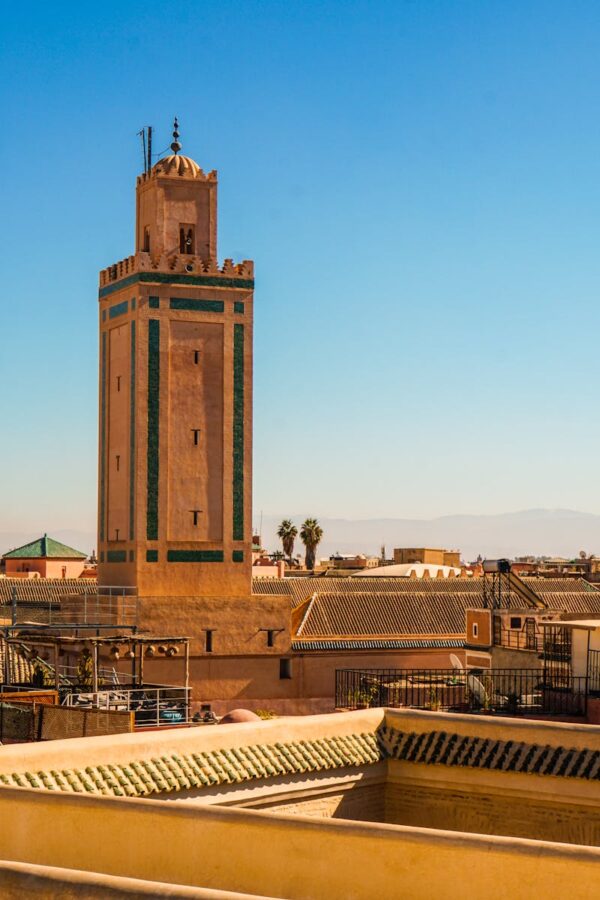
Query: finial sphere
point(176, 146)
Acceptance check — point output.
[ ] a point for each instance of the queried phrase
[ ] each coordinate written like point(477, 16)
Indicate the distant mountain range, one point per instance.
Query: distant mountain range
point(551, 532)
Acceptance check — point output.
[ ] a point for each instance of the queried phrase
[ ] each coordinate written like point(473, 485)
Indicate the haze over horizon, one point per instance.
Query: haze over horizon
point(425, 242)
point(548, 532)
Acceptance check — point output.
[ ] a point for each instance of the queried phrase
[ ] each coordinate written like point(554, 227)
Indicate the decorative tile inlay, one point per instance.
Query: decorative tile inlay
point(118, 310)
point(132, 435)
point(194, 556)
point(216, 306)
point(153, 429)
point(176, 278)
point(238, 432)
point(102, 437)
point(116, 556)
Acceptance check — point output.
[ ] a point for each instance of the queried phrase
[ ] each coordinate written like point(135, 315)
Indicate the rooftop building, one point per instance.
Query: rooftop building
point(44, 558)
point(379, 803)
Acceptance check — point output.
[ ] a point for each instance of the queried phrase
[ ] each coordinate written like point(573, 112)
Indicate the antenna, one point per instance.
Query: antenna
point(149, 148)
point(142, 134)
point(146, 135)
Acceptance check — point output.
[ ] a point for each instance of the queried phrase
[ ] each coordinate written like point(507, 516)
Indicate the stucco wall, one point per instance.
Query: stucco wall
point(293, 857)
point(492, 803)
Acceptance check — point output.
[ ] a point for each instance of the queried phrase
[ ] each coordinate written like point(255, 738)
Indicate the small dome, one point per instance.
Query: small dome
point(239, 715)
point(177, 165)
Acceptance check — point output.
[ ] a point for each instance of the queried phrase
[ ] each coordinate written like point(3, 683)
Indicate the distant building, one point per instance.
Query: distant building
point(45, 558)
point(433, 555)
point(352, 561)
point(413, 570)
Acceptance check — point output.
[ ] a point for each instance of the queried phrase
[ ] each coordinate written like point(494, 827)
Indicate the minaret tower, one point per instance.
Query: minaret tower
point(175, 442)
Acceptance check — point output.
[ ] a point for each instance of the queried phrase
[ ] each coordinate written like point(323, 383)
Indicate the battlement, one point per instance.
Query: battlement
point(177, 167)
point(174, 262)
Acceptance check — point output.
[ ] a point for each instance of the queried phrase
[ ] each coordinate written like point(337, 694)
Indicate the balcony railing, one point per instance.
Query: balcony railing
point(515, 692)
point(519, 640)
point(594, 671)
point(153, 706)
point(101, 606)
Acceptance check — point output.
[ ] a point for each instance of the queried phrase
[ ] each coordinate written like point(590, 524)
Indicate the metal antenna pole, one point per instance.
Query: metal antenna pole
point(142, 134)
point(149, 148)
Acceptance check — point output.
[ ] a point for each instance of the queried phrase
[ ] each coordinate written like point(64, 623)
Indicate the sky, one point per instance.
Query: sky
point(419, 186)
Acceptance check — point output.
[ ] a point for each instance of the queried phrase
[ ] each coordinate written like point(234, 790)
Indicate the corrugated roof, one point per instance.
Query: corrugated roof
point(45, 548)
point(378, 644)
point(301, 588)
point(559, 585)
point(43, 591)
point(386, 614)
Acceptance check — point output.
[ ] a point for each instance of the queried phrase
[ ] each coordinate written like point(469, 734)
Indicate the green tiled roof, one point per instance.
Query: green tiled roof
point(175, 772)
point(45, 548)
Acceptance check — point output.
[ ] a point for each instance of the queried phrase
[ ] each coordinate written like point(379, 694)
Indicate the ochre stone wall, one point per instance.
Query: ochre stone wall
point(483, 812)
point(284, 856)
point(359, 802)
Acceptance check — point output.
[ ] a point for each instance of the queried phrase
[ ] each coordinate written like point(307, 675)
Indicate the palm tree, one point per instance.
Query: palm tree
point(311, 534)
point(288, 533)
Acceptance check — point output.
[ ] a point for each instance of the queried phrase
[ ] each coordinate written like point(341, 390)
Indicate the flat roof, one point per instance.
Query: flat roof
point(575, 623)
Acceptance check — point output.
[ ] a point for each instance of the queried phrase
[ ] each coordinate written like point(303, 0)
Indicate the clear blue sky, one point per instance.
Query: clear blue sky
point(419, 185)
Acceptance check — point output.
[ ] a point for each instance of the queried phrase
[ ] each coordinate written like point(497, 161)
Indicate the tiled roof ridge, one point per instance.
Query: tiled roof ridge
point(309, 606)
point(192, 771)
point(174, 772)
point(452, 749)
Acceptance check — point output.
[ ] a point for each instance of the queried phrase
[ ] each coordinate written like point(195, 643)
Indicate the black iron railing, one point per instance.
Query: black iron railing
point(516, 692)
point(594, 671)
point(518, 640)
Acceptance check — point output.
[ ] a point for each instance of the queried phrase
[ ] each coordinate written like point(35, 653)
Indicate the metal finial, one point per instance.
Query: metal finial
point(175, 146)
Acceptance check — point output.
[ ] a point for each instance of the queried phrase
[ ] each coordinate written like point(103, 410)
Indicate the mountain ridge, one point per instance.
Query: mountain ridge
point(550, 532)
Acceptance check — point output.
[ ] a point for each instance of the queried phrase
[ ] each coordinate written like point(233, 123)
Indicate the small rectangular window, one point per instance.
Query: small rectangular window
point(515, 622)
point(118, 382)
point(196, 356)
point(285, 668)
point(270, 638)
point(475, 629)
point(208, 640)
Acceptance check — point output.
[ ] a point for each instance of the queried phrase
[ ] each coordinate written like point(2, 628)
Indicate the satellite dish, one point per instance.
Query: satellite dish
point(477, 689)
point(456, 663)
point(582, 554)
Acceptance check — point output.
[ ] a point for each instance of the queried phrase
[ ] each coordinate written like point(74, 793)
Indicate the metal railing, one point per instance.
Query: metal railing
point(515, 692)
point(594, 671)
point(153, 705)
point(115, 606)
point(519, 640)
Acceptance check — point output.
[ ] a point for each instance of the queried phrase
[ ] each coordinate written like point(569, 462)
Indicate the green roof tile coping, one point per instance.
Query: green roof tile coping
point(45, 548)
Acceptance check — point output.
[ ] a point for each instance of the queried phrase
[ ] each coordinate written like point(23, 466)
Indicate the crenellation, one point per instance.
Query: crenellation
point(147, 262)
point(181, 166)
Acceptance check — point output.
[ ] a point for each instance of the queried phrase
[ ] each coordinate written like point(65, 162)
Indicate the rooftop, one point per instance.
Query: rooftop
point(267, 802)
point(45, 548)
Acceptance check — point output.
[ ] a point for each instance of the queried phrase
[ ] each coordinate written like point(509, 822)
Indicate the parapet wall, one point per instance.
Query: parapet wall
point(174, 262)
point(413, 769)
point(249, 852)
